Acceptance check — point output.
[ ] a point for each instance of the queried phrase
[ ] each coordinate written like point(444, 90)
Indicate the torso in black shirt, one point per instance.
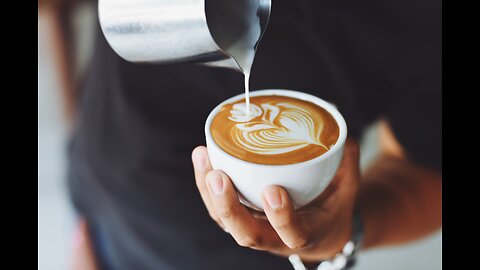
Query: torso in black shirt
point(130, 168)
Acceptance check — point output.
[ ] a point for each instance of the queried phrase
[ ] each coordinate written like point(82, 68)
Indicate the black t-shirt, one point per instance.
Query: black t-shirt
point(130, 168)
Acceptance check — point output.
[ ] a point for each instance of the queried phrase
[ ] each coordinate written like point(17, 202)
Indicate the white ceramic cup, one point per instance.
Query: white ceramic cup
point(303, 181)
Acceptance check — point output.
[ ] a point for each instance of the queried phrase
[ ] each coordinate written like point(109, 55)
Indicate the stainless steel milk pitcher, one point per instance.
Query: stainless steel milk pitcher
point(176, 31)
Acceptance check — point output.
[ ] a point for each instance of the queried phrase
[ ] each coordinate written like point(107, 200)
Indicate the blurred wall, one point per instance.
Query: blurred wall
point(55, 215)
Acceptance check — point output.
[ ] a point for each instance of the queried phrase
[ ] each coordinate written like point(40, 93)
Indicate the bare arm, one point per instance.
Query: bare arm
point(399, 200)
point(58, 18)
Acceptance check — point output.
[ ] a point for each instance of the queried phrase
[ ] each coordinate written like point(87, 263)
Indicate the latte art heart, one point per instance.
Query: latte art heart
point(276, 130)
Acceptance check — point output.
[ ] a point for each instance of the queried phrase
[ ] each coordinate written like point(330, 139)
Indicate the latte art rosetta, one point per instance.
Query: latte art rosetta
point(276, 130)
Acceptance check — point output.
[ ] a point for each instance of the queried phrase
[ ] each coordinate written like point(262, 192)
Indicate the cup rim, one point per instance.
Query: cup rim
point(331, 108)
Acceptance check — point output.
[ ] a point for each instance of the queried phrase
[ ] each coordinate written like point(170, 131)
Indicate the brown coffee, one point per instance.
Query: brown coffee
point(277, 130)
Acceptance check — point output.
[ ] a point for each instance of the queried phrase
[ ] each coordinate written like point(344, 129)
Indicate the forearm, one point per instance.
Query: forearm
point(57, 15)
point(399, 202)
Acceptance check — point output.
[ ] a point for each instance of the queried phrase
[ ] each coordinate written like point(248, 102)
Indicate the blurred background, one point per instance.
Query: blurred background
point(56, 219)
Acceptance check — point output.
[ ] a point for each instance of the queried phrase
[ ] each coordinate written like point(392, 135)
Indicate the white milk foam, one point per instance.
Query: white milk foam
point(283, 127)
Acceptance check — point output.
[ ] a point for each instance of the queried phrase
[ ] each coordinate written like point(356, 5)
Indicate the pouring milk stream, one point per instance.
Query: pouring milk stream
point(242, 36)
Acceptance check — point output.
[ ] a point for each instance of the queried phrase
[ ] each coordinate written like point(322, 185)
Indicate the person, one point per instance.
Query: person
point(130, 156)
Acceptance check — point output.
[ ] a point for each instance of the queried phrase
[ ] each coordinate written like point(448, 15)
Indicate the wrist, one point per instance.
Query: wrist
point(346, 257)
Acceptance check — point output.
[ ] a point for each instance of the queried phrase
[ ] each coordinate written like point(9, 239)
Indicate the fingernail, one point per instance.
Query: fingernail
point(273, 198)
point(215, 181)
point(199, 162)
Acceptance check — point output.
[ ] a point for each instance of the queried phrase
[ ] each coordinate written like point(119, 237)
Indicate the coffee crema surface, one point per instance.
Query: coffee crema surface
point(277, 130)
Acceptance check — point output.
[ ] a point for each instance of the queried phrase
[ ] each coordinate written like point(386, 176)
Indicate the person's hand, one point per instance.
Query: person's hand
point(315, 232)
